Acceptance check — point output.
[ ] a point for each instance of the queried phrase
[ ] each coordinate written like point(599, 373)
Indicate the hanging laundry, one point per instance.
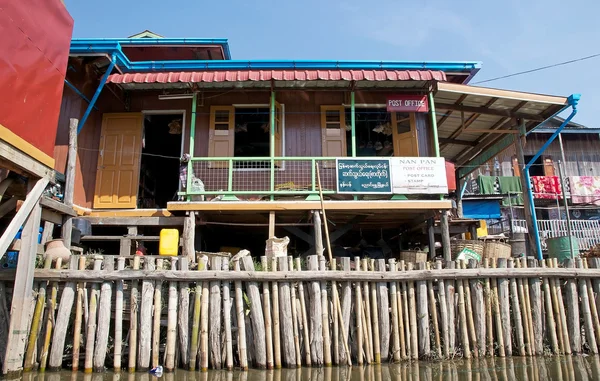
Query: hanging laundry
point(511, 185)
point(487, 184)
point(546, 187)
point(585, 189)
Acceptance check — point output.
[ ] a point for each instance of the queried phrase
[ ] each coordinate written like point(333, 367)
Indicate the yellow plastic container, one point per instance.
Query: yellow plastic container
point(169, 242)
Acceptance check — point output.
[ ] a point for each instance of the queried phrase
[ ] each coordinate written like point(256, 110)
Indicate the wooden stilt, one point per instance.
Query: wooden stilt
point(227, 318)
point(285, 303)
point(133, 317)
point(78, 317)
point(258, 321)
point(156, 317)
point(62, 321)
point(586, 312)
point(462, 313)
point(346, 309)
point(498, 316)
point(172, 323)
point(36, 324)
point(367, 312)
point(375, 320)
point(305, 330)
point(91, 326)
point(316, 326)
point(469, 310)
point(423, 316)
point(239, 309)
point(573, 322)
point(550, 322)
point(215, 313)
point(295, 317)
point(361, 346)
point(478, 308)
point(183, 318)
point(412, 308)
point(267, 316)
point(51, 318)
point(516, 309)
point(524, 314)
point(396, 356)
point(536, 309)
point(275, 318)
point(325, 317)
point(443, 312)
point(118, 350)
point(489, 325)
point(504, 301)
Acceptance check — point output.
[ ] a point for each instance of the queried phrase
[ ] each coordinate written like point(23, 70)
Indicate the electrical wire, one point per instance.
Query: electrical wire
point(539, 68)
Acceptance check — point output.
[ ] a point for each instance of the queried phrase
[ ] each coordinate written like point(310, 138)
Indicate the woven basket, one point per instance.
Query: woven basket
point(413, 256)
point(496, 249)
point(458, 245)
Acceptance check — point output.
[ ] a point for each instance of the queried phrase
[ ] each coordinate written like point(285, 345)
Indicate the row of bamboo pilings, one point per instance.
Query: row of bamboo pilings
point(134, 313)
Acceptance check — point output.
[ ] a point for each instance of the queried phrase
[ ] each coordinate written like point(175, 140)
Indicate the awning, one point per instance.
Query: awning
point(284, 78)
point(471, 119)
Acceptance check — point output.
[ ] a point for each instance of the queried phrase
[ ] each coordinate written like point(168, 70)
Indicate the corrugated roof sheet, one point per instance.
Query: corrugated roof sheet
point(279, 75)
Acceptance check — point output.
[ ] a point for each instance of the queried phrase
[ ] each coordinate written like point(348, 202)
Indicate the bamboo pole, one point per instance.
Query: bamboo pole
point(462, 315)
point(504, 301)
point(172, 323)
point(489, 325)
point(586, 312)
point(469, 310)
point(536, 309)
point(305, 330)
point(424, 339)
point(119, 318)
point(516, 309)
point(562, 316)
point(573, 319)
point(194, 346)
point(286, 306)
point(412, 308)
point(550, 322)
point(50, 314)
point(36, 325)
point(204, 325)
point(375, 319)
point(524, 314)
point(316, 316)
point(396, 354)
point(214, 319)
point(478, 309)
point(325, 317)
point(183, 318)
point(346, 309)
point(358, 303)
point(593, 308)
point(451, 300)
point(133, 317)
point(227, 318)
point(497, 316)
point(443, 312)
point(62, 321)
point(91, 330)
point(239, 308)
point(401, 330)
point(267, 315)
point(296, 330)
point(156, 317)
point(78, 318)
point(334, 317)
point(406, 315)
point(383, 312)
point(367, 312)
point(275, 318)
point(257, 327)
point(554, 298)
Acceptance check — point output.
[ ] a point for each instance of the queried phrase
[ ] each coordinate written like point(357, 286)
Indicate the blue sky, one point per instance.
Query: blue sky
point(507, 36)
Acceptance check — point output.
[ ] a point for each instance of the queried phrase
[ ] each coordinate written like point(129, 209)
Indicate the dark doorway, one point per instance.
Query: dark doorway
point(159, 171)
point(537, 169)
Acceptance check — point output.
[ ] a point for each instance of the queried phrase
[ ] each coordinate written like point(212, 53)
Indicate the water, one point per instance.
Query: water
point(501, 369)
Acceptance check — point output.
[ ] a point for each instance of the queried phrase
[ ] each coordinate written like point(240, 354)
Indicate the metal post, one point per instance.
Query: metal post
point(103, 80)
point(272, 145)
point(188, 185)
point(562, 149)
point(436, 141)
point(353, 123)
point(564, 192)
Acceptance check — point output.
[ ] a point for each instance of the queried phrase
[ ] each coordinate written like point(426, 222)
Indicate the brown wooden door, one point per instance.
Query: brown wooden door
point(548, 166)
point(118, 175)
point(221, 135)
point(404, 134)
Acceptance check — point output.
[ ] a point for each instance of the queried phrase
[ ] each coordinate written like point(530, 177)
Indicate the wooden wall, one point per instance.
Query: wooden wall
point(302, 121)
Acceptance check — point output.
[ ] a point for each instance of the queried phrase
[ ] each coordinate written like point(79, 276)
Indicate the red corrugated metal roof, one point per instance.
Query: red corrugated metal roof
point(279, 75)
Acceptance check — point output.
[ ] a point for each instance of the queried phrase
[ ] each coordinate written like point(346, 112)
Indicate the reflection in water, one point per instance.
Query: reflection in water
point(490, 369)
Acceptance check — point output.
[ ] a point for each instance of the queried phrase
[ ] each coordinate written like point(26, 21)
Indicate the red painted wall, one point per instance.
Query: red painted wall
point(34, 46)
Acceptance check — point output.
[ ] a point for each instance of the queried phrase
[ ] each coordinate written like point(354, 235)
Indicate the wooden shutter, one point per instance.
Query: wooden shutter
point(221, 135)
point(548, 166)
point(404, 134)
point(118, 174)
point(333, 131)
point(515, 167)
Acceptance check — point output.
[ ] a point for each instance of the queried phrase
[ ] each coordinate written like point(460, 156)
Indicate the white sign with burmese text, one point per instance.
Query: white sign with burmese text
point(418, 175)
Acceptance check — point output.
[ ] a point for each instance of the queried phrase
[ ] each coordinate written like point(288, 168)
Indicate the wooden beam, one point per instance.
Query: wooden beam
point(445, 141)
point(296, 276)
point(449, 113)
point(490, 111)
point(158, 212)
point(469, 121)
point(254, 206)
point(135, 221)
point(16, 246)
point(20, 313)
point(67, 226)
point(52, 216)
point(120, 237)
point(301, 234)
point(57, 206)
point(31, 202)
point(8, 206)
point(23, 161)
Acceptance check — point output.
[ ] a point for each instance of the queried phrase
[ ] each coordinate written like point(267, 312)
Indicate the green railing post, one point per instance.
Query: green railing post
point(190, 167)
point(353, 123)
point(272, 179)
point(436, 140)
point(230, 176)
point(272, 145)
point(313, 174)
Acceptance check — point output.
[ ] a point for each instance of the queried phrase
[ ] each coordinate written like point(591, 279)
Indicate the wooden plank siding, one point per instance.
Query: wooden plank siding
point(302, 129)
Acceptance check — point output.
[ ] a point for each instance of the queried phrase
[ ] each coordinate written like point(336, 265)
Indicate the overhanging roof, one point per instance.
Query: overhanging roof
point(470, 118)
point(282, 78)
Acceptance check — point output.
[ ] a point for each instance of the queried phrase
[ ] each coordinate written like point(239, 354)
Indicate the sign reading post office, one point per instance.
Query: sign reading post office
point(407, 103)
point(363, 176)
point(419, 175)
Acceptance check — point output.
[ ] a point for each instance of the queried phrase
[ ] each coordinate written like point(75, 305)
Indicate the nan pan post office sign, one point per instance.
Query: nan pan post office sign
point(419, 175)
point(398, 175)
point(407, 103)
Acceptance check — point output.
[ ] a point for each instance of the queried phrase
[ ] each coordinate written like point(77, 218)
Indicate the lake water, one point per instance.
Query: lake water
point(501, 369)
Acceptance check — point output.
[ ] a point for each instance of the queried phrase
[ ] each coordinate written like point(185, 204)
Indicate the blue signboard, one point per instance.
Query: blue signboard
point(364, 176)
